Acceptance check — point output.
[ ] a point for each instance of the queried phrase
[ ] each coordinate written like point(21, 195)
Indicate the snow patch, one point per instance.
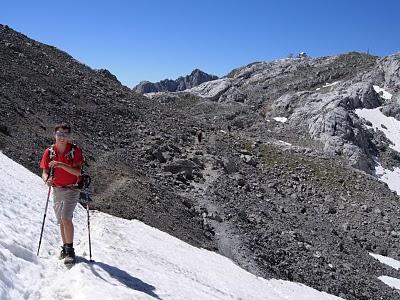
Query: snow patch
point(391, 178)
point(385, 95)
point(390, 281)
point(132, 260)
point(391, 128)
point(327, 85)
point(389, 125)
point(280, 119)
point(153, 94)
point(284, 143)
point(387, 260)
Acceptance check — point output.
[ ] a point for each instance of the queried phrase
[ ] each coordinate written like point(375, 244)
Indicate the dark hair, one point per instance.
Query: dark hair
point(64, 126)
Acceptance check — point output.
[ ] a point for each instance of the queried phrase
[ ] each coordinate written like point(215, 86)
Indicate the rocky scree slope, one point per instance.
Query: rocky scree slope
point(41, 86)
point(276, 196)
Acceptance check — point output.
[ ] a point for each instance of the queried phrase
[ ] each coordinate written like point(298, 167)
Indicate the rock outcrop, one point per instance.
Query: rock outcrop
point(317, 97)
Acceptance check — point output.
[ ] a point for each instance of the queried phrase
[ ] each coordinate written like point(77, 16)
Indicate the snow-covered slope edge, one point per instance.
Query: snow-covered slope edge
point(132, 260)
point(390, 127)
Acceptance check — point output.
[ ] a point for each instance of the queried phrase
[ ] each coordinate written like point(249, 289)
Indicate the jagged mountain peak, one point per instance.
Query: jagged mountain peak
point(182, 83)
point(197, 71)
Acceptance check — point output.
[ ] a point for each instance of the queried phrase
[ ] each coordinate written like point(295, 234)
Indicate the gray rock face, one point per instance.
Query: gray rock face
point(182, 83)
point(212, 90)
point(317, 96)
point(391, 71)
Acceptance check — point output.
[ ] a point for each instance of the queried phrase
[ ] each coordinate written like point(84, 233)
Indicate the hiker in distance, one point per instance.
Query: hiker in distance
point(199, 134)
point(66, 161)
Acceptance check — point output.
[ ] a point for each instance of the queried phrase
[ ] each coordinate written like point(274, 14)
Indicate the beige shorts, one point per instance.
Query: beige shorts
point(65, 200)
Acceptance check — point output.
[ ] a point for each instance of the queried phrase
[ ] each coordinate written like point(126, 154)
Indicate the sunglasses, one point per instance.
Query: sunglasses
point(62, 134)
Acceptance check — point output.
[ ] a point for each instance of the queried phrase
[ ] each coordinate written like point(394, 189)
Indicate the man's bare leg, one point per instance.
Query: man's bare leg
point(62, 233)
point(67, 231)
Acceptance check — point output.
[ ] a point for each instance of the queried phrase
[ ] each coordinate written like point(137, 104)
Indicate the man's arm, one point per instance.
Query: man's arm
point(45, 174)
point(74, 170)
point(46, 177)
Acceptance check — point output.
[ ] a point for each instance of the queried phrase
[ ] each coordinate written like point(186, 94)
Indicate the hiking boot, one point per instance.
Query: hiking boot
point(69, 255)
point(62, 253)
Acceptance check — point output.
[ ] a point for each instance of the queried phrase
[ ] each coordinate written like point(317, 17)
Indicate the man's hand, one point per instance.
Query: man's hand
point(56, 164)
point(49, 181)
point(47, 176)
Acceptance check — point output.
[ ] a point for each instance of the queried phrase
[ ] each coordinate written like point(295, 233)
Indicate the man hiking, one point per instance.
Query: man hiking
point(199, 135)
point(66, 160)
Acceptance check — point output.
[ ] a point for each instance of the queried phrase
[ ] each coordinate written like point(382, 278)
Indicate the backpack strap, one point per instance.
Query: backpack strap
point(71, 153)
point(52, 152)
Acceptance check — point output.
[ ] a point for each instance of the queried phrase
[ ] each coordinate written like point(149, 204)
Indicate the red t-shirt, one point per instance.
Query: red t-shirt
point(61, 176)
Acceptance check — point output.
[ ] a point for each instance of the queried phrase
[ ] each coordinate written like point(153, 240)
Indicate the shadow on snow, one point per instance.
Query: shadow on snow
point(122, 276)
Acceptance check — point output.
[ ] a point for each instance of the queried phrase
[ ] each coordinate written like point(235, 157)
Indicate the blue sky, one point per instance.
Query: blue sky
point(155, 39)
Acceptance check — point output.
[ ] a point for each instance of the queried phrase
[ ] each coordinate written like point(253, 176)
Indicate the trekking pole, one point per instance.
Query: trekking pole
point(88, 224)
point(86, 183)
point(45, 212)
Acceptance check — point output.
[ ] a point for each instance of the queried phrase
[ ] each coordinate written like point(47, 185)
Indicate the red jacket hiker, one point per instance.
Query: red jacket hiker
point(62, 178)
